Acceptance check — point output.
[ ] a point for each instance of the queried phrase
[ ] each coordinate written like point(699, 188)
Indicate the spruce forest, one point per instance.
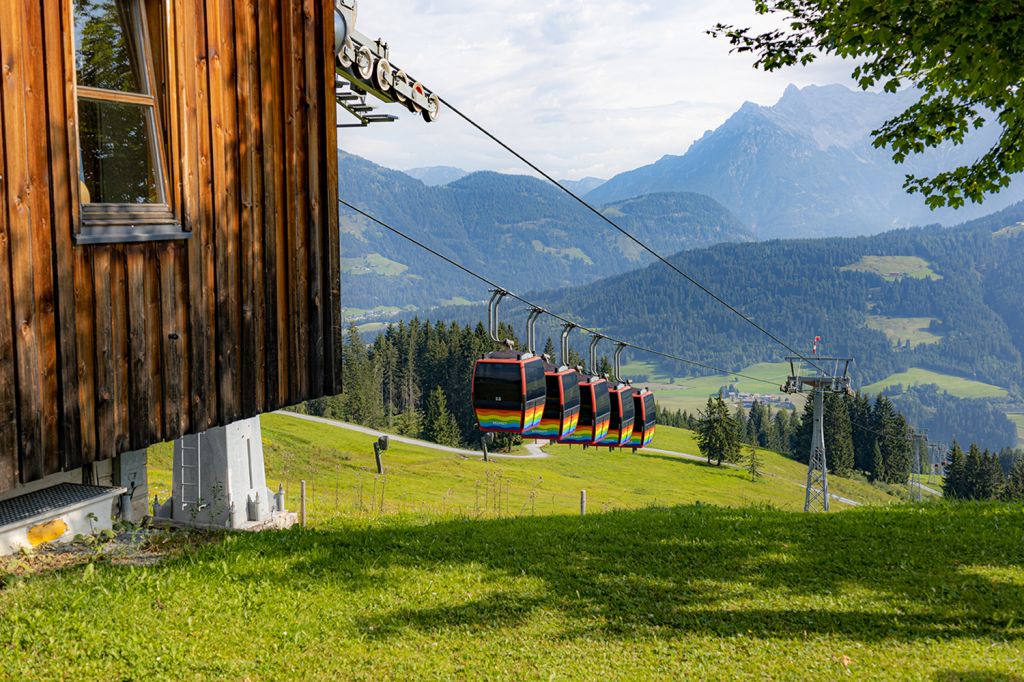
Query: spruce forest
point(414, 379)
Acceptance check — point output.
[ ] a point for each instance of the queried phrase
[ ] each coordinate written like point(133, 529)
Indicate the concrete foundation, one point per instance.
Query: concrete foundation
point(219, 481)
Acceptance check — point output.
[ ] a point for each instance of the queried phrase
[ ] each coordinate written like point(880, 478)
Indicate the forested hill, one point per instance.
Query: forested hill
point(943, 299)
point(515, 228)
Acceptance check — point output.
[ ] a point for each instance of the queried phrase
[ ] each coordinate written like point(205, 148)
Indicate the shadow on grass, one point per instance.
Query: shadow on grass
point(977, 676)
point(871, 575)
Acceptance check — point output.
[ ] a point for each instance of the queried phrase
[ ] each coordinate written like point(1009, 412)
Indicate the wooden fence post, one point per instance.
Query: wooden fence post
point(583, 503)
point(302, 504)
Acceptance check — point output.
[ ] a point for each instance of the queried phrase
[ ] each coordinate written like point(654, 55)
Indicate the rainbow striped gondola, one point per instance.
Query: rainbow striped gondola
point(594, 415)
point(622, 415)
point(509, 391)
point(645, 422)
point(562, 407)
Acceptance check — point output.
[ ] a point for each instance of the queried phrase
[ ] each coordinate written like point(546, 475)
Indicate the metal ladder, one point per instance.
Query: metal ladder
point(190, 472)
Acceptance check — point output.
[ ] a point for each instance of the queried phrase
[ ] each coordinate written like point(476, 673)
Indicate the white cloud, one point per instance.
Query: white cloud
point(580, 87)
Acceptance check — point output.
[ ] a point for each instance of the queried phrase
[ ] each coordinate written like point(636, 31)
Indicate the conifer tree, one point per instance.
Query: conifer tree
point(717, 433)
point(990, 480)
point(803, 434)
point(877, 463)
point(859, 410)
point(780, 433)
point(974, 473)
point(753, 463)
point(838, 436)
point(549, 350)
point(893, 441)
point(954, 487)
point(440, 426)
point(739, 417)
point(1014, 489)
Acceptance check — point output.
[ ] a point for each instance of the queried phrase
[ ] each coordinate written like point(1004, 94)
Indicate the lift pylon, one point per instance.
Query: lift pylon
point(818, 377)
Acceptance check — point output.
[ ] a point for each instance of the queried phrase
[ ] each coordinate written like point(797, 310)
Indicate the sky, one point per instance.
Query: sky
point(582, 88)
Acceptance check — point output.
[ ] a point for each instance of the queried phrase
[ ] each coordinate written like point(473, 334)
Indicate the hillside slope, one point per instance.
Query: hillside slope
point(840, 289)
point(926, 592)
point(806, 167)
point(337, 464)
point(513, 227)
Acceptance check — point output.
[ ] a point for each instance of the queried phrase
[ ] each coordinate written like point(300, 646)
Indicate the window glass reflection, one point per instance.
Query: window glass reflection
point(116, 153)
point(107, 54)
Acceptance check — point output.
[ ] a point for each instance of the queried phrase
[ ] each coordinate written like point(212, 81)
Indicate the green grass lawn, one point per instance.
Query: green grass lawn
point(957, 386)
point(373, 263)
point(903, 329)
point(887, 267)
point(339, 468)
point(931, 592)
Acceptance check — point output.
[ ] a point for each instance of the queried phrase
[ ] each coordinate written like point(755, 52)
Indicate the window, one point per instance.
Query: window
point(536, 384)
point(602, 403)
point(651, 409)
point(124, 184)
point(571, 390)
point(498, 385)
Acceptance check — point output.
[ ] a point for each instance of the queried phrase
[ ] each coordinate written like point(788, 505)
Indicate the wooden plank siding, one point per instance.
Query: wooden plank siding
point(111, 348)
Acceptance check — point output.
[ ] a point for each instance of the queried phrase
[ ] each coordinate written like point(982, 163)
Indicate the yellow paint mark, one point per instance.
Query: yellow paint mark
point(46, 532)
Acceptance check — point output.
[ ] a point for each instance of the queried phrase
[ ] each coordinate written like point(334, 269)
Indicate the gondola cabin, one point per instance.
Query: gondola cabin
point(645, 420)
point(169, 243)
point(595, 413)
point(620, 429)
point(509, 391)
point(562, 406)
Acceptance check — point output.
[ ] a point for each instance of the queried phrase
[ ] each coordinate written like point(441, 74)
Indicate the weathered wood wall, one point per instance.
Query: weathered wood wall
point(106, 349)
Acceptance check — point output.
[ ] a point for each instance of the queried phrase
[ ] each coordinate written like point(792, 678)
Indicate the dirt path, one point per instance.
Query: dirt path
point(534, 449)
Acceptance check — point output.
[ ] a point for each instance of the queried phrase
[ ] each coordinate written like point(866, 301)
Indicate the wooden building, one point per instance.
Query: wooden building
point(169, 257)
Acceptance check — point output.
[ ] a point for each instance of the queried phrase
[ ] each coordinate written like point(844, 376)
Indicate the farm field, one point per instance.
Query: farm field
point(339, 468)
point(888, 266)
point(930, 592)
point(956, 386)
point(903, 329)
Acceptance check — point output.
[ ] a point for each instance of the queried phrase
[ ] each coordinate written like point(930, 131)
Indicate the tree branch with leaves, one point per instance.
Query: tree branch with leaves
point(964, 57)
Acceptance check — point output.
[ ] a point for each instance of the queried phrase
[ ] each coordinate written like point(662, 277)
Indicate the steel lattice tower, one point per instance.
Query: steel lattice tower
point(817, 470)
point(818, 382)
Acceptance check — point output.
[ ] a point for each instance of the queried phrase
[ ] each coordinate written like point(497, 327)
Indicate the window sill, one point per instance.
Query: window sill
point(131, 235)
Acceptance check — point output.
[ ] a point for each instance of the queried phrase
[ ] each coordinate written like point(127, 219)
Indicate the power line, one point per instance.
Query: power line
point(495, 285)
point(692, 280)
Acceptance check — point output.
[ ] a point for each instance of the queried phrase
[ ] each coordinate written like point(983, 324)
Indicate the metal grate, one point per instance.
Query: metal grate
point(48, 500)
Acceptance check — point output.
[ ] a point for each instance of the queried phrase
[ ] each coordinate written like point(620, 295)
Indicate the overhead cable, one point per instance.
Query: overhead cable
point(691, 279)
point(494, 285)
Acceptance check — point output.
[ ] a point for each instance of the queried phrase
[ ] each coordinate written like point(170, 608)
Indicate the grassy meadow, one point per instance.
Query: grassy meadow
point(686, 592)
point(455, 569)
point(956, 386)
point(903, 329)
point(340, 471)
point(889, 267)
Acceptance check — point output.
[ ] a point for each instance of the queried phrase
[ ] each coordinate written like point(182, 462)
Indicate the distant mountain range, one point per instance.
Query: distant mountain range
point(806, 167)
point(520, 230)
point(436, 176)
point(583, 186)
